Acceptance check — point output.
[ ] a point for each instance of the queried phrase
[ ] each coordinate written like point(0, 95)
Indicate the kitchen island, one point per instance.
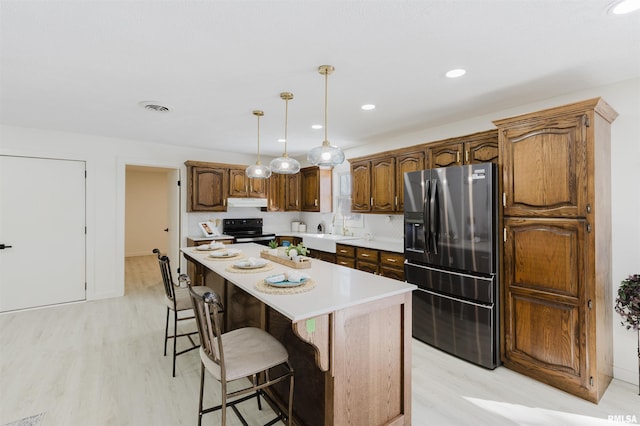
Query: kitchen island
point(348, 337)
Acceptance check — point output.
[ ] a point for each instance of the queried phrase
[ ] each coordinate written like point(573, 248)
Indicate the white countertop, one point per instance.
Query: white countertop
point(337, 287)
point(389, 244)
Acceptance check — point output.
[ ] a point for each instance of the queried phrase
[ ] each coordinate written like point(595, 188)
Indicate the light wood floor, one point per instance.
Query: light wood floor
point(101, 363)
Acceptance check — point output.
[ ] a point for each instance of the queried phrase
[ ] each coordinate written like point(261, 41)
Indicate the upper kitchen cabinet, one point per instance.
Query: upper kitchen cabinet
point(479, 147)
point(378, 181)
point(407, 161)
point(276, 193)
point(361, 185)
point(546, 161)
point(315, 189)
point(207, 187)
point(242, 186)
point(292, 192)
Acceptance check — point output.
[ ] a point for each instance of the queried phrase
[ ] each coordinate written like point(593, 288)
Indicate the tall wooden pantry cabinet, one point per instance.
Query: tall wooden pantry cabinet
point(557, 282)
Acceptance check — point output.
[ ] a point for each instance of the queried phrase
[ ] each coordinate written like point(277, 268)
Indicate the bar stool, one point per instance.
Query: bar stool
point(247, 352)
point(177, 300)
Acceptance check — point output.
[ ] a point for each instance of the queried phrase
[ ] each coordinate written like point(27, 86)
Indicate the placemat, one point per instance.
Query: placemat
point(266, 288)
point(232, 268)
point(226, 259)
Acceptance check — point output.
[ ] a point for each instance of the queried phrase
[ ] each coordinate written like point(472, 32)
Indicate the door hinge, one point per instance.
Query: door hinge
point(589, 228)
point(590, 304)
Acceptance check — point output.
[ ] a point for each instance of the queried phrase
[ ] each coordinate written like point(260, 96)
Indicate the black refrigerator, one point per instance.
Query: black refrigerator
point(451, 254)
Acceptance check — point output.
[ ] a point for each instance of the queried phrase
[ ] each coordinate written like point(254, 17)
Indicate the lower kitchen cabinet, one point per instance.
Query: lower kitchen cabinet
point(385, 263)
point(322, 255)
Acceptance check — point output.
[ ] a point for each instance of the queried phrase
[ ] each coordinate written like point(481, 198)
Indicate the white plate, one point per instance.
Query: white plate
point(286, 283)
point(225, 253)
point(244, 264)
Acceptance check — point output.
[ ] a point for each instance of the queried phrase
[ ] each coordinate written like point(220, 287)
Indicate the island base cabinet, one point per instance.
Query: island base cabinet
point(371, 366)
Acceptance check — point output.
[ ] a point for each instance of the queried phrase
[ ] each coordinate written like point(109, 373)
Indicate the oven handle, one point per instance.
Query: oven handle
point(252, 239)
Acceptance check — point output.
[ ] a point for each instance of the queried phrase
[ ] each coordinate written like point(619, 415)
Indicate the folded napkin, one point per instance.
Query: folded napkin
point(276, 278)
point(203, 247)
point(296, 277)
point(215, 245)
point(252, 261)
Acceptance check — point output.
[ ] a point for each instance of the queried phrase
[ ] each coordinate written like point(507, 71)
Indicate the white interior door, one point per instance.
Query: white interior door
point(42, 218)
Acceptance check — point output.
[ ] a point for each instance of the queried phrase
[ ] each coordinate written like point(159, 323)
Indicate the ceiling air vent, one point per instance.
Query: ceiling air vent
point(154, 106)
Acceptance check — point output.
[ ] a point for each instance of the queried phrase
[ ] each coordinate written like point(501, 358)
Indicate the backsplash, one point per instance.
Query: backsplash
point(373, 225)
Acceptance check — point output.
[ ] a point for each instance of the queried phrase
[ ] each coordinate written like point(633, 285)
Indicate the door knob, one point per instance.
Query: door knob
point(2, 247)
point(166, 229)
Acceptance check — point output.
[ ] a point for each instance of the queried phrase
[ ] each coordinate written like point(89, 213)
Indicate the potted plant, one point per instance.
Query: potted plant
point(273, 247)
point(628, 306)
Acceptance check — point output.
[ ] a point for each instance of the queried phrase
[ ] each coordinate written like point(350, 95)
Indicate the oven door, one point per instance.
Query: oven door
point(263, 240)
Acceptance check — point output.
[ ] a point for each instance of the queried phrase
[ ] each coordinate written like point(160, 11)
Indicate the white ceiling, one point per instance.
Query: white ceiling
point(84, 66)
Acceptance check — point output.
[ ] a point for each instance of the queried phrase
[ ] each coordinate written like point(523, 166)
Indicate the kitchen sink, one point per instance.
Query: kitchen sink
point(323, 242)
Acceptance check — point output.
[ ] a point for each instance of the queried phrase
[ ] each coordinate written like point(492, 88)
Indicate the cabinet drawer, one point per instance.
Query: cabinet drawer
point(346, 261)
point(345, 251)
point(392, 259)
point(366, 266)
point(389, 272)
point(367, 254)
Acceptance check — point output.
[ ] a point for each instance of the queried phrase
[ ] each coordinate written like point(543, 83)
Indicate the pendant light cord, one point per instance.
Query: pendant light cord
point(326, 102)
point(258, 139)
point(286, 124)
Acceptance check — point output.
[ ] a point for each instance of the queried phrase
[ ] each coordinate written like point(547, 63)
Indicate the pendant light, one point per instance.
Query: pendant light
point(285, 165)
point(326, 154)
point(258, 170)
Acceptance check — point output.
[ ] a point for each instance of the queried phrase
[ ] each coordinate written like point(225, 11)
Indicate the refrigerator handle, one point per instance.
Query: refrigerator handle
point(434, 216)
point(426, 217)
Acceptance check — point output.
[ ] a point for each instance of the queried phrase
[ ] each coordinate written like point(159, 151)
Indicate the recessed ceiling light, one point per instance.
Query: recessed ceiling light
point(368, 107)
point(316, 126)
point(154, 106)
point(458, 72)
point(624, 6)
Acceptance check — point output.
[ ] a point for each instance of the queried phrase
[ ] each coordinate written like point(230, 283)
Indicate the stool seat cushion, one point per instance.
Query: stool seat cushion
point(183, 300)
point(247, 351)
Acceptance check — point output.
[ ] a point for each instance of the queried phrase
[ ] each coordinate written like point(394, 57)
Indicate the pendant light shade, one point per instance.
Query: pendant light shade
point(326, 154)
point(257, 170)
point(285, 165)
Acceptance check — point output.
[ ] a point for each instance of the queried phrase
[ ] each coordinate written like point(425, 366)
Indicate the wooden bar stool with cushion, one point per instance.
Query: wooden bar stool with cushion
point(243, 353)
point(177, 300)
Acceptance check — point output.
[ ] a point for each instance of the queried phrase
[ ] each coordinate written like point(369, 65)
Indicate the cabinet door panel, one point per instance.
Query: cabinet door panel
point(546, 300)
point(545, 168)
point(481, 152)
point(237, 183)
point(383, 173)
point(292, 192)
point(545, 255)
point(409, 162)
point(276, 193)
point(361, 186)
point(446, 155)
point(208, 189)
point(258, 187)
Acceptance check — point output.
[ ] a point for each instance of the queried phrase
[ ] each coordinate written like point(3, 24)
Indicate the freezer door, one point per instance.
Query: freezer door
point(461, 328)
point(414, 215)
point(462, 210)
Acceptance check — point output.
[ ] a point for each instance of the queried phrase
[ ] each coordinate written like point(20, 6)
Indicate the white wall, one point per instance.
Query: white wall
point(106, 159)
